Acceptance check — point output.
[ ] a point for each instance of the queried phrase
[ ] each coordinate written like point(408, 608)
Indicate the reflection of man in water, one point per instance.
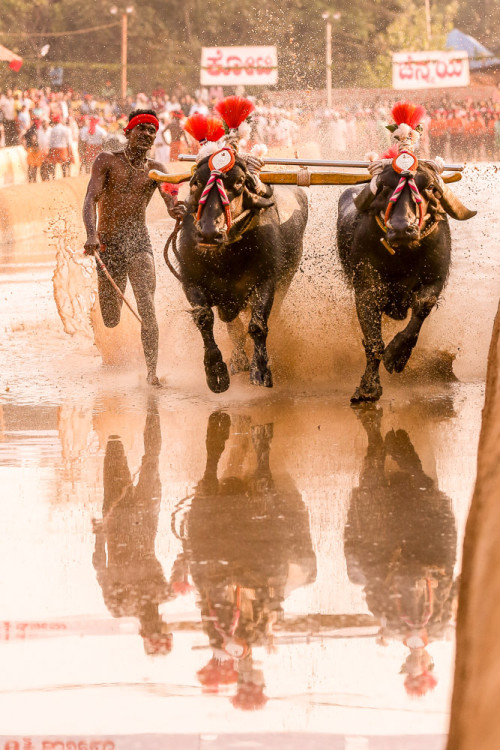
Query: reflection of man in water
point(400, 544)
point(131, 577)
point(249, 546)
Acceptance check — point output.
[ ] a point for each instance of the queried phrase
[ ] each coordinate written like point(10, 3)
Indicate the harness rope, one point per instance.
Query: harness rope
point(406, 178)
point(235, 647)
point(215, 179)
point(172, 240)
point(428, 608)
point(245, 218)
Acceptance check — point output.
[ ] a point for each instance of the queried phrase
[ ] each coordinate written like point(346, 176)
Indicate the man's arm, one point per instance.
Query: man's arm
point(169, 194)
point(94, 191)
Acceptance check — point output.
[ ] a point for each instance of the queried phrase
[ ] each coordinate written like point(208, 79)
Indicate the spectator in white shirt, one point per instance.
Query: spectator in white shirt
point(92, 137)
point(59, 148)
point(199, 106)
point(8, 107)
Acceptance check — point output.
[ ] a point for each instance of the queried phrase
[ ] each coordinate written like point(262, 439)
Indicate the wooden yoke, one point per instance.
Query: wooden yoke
point(294, 178)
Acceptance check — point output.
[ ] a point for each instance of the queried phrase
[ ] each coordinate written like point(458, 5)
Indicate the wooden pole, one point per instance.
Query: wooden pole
point(325, 163)
point(290, 178)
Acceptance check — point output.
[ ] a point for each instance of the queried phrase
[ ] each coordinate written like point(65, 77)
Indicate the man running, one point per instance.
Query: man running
point(121, 189)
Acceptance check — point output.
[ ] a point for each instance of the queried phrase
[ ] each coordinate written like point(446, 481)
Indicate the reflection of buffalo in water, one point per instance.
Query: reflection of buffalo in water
point(131, 577)
point(400, 544)
point(248, 544)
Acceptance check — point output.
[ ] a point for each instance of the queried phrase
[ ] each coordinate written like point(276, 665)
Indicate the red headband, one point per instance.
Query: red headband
point(142, 118)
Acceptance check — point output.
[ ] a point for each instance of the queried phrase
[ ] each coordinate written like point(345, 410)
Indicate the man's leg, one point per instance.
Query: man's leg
point(109, 301)
point(141, 272)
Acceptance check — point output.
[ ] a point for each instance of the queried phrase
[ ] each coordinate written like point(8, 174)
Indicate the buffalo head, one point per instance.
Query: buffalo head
point(413, 211)
point(212, 220)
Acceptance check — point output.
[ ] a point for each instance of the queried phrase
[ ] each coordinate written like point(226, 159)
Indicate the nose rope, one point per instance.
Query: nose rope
point(215, 179)
point(406, 178)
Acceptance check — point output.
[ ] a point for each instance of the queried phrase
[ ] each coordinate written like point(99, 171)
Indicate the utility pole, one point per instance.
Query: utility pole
point(125, 12)
point(124, 55)
point(428, 29)
point(328, 59)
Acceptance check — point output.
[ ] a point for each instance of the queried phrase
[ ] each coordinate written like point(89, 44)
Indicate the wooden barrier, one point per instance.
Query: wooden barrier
point(13, 165)
point(474, 712)
point(26, 210)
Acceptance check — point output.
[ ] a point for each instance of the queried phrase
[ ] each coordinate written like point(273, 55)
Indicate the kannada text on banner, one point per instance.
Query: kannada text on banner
point(233, 66)
point(429, 70)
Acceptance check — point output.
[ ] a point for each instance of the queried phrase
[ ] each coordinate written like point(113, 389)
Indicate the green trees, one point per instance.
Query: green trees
point(165, 37)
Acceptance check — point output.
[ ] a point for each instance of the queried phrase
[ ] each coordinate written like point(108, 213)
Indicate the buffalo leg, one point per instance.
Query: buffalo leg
point(219, 424)
point(237, 333)
point(261, 305)
point(400, 448)
point(373, 473)
point(368, 307)
point(261, 439)
point(215, 367)
point(399, 350)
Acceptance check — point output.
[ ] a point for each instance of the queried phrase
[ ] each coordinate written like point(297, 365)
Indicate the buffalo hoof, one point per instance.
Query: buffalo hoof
point(239, 363)
point(261, 377)
point(366, 393)
point(217, 377)
point(397, 354)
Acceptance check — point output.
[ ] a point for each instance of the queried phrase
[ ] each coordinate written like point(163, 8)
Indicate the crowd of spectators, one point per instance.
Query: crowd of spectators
point(456, 130)
point(69, 127)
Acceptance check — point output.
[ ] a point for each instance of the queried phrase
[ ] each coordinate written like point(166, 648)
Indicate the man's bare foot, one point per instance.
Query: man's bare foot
point(153, 380)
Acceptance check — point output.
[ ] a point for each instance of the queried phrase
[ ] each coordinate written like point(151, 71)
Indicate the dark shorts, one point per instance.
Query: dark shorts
point(118, 250)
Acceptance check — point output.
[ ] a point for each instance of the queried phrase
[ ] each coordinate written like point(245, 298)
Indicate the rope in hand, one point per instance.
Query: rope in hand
point(172, 240)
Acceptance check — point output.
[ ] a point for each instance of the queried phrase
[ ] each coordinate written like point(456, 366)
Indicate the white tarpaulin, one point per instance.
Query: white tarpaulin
point(233, 66)
point(430, 70)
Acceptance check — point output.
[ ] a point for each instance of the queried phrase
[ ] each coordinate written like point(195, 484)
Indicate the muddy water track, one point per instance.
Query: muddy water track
point(155, 536)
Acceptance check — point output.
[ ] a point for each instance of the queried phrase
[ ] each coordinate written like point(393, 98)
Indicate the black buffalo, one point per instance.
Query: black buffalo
point(396, 266)
point(246, 265)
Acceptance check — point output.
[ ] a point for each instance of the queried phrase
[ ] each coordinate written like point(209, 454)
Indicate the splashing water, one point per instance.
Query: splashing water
point(74, 279)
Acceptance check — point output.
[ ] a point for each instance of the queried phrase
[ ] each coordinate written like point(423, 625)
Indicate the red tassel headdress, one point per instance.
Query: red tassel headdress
point(407, 117)
point(407, 125)
point(391, 153)
point(234, 110)
point(408, 113)
point(204, 128)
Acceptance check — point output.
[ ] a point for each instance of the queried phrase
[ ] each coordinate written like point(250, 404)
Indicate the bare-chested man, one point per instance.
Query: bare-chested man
point(121, 190)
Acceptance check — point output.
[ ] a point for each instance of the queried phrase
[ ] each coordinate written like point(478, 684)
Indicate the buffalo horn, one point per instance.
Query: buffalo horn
point(454, 207)
point(364, 199)
point(173, 179)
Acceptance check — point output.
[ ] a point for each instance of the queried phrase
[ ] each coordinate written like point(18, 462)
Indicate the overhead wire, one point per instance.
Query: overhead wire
point(28, 34)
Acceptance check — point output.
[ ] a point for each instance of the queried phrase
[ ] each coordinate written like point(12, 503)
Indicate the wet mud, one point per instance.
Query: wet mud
point(179, 562)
